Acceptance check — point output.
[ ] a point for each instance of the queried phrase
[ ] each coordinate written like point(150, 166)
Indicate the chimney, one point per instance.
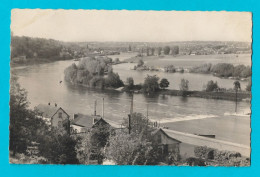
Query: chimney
point(49, 103)
point(75, 116)
point(55, 104)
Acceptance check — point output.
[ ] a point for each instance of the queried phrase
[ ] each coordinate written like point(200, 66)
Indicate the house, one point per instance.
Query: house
point(165, 142)
point(54, 115)
point(83, 123)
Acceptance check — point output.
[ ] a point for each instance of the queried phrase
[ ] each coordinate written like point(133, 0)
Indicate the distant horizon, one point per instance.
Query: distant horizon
point(131, 41)
point(132, 26)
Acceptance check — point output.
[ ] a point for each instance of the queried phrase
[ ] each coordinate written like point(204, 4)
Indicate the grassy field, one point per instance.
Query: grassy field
point(188, 61)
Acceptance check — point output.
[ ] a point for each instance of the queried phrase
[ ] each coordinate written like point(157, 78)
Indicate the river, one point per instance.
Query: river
point(193, 115)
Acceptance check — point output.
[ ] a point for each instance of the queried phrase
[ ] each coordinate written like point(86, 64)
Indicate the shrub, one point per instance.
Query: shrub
point(212, 86)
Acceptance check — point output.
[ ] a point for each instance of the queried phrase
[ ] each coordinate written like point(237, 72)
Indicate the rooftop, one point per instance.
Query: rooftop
point(47, 110)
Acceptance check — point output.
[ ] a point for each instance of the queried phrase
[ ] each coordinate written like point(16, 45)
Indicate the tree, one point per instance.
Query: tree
point(237, 85)
point(175, 50)
point(113, 80)
point(152, 50)
point(58, 146)
point(91, 144)
point(212, 86)
point(164, 83)
point(125, 149)
point(151, 84)
point(130, 82)
point(236, 88)
point(129, 48)
point(24, 125)
point(140, 125)
point(159, 51)
point(117, 60)
point(184, 85)
point(147, 51)
point(249, 85)
point(140, 63)
point(166, 50)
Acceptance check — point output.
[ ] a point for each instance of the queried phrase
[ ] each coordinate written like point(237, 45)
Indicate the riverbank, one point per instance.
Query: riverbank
point(209, 95)
point(35, 61)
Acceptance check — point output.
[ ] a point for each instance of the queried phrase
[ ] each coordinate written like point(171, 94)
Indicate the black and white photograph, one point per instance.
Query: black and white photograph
point(130, 87)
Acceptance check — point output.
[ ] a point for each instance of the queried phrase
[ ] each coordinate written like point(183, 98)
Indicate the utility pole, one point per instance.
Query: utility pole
point(103, 114)
point(95, 110)
point(147, 111)
point(236, 102)
point(131, 114)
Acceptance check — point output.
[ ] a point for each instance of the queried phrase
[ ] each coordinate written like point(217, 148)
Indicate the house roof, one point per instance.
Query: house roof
point(47, 110)
point(83, 120)
point(160, 130)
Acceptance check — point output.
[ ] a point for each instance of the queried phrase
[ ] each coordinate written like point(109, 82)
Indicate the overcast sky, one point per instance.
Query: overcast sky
point(132, 26)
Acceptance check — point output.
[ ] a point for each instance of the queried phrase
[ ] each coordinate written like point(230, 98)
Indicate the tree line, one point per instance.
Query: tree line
point(223, 70)
point(38, 48)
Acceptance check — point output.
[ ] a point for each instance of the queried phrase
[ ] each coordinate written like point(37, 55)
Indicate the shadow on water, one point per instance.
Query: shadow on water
point(184, 99)
point(82, 90)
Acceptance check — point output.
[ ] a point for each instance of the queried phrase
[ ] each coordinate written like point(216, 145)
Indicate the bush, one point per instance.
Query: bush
point(151, 84)
point(221, 158)
point(203, 152)
point(212, 86)
point(164, 83)
point(195, 162)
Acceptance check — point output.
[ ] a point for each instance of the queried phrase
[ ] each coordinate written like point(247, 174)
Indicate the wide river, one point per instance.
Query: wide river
point(193, 115)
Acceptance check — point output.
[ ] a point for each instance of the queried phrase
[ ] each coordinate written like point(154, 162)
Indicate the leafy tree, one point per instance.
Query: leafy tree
point(237, 85)
point(159, 51)
point(147, 51)
point(129, 48)
point(223, 69)
point(117, 60)
point(24, 125)
point(212, 86)
point(175, 50)
point(184, 85)
point(170, 69)
point(58, 146)
point(166, 50)
point(140, 63)
point(130, 82)
point(140, 125)
point(91, 144)
point(113, 80)
point(125, 149)
point(151, 84)
point(152, 50)
point(164, 83)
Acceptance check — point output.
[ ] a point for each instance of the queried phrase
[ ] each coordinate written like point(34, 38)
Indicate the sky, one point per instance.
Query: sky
point(132, 26)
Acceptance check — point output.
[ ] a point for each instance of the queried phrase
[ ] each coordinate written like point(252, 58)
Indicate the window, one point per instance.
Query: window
point(60, 114)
